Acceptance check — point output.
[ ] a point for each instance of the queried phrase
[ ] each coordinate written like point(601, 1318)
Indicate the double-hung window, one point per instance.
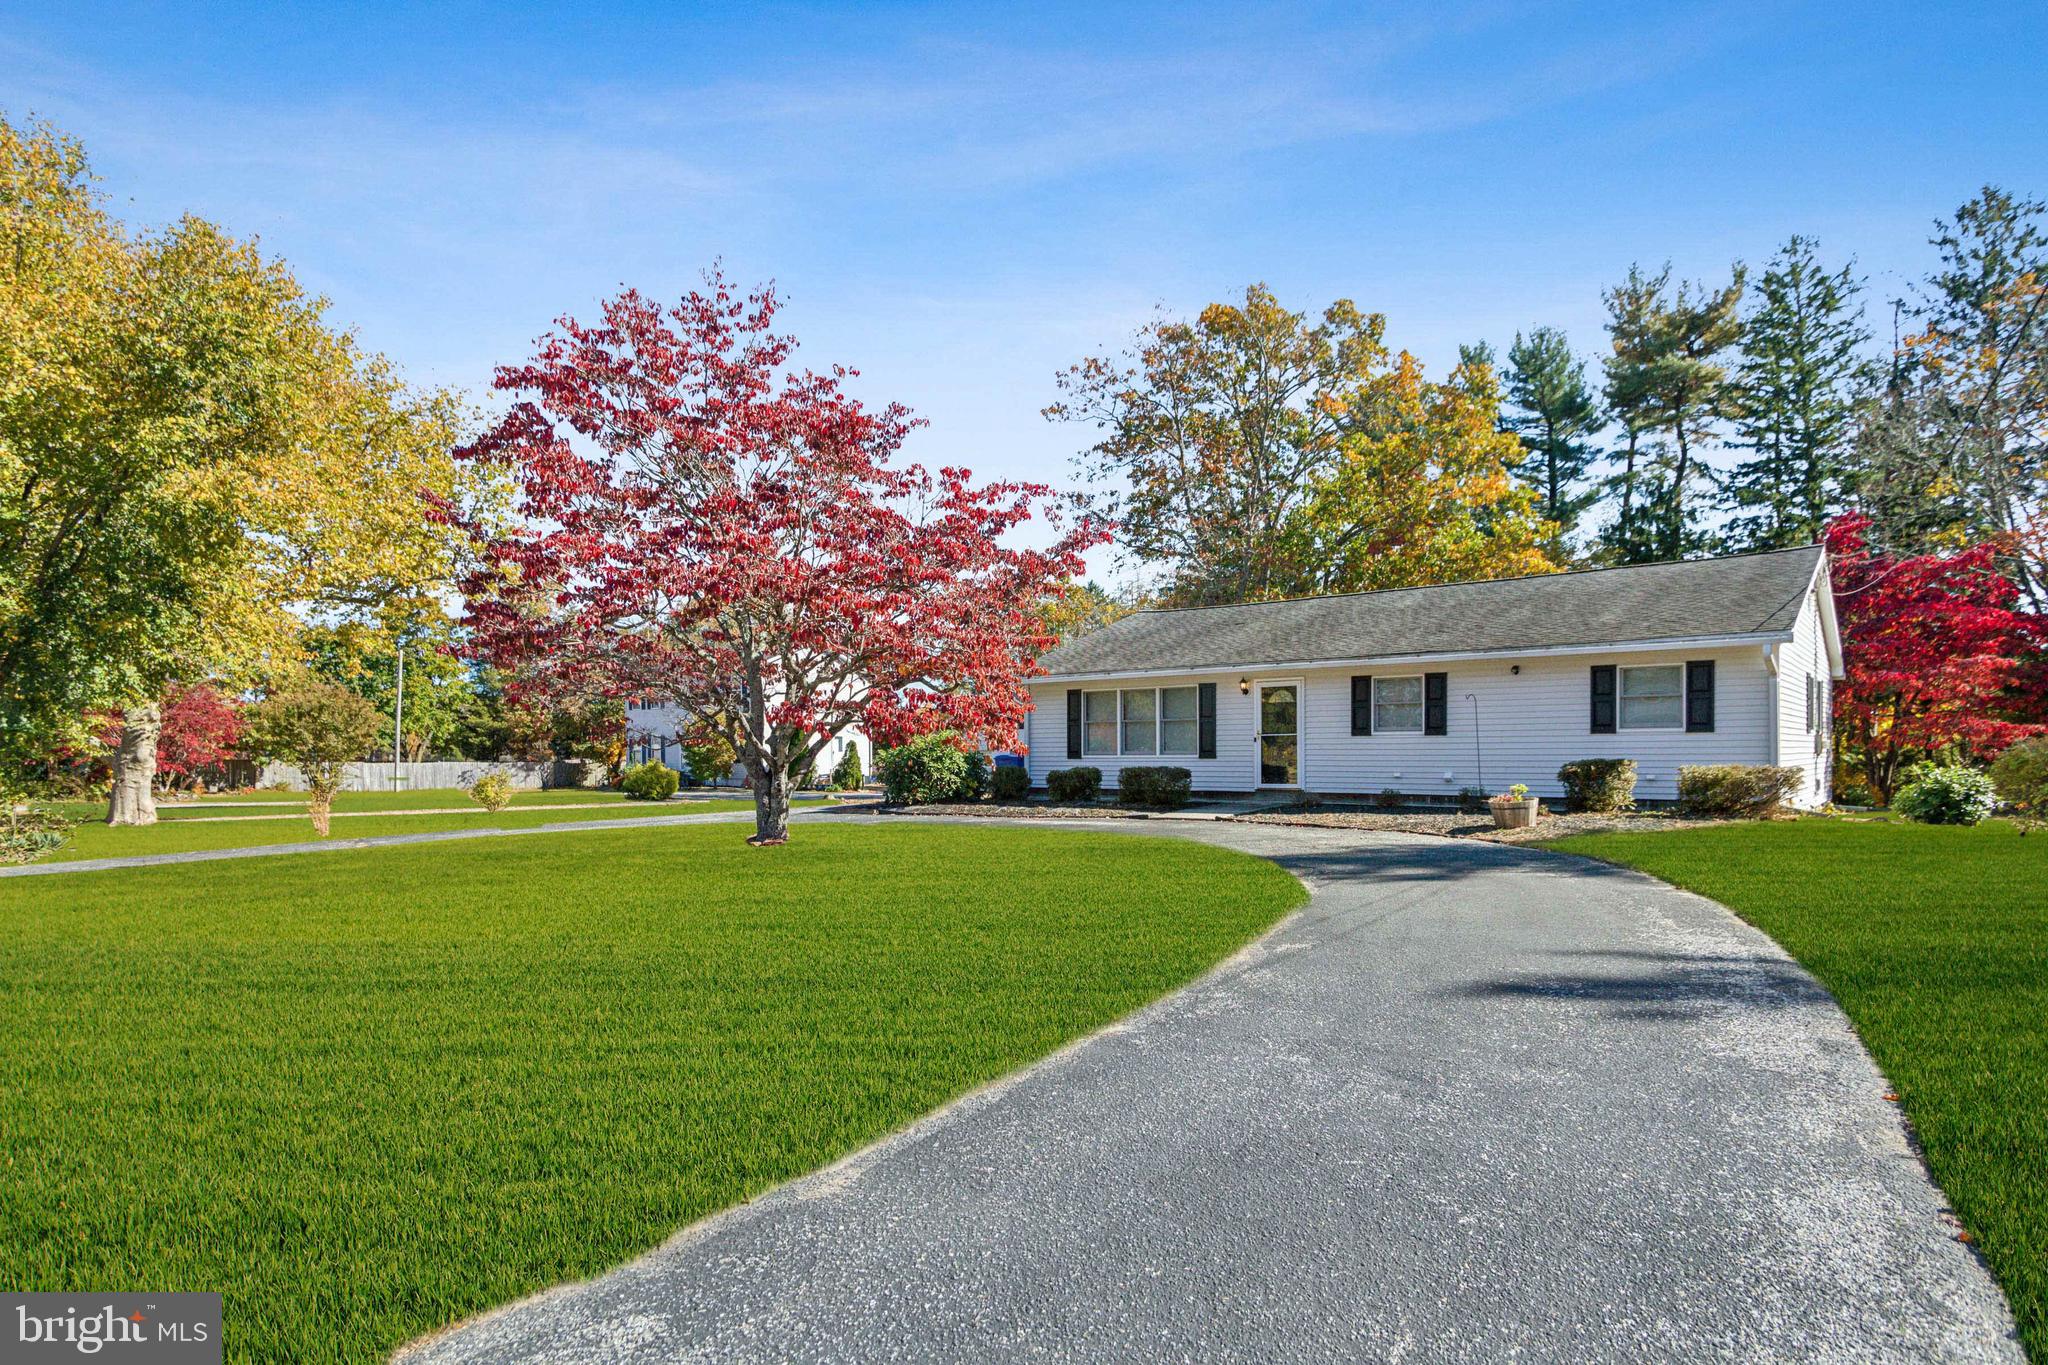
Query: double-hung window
point(1653, 697)
point(1180, 721)
point(1098, 715)
point(1141, 720)
point(1397, 705)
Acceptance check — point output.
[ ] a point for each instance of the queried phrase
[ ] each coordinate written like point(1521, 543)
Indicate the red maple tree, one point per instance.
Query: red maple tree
point(200, 730)
point(697, 522)
point(1938, 658)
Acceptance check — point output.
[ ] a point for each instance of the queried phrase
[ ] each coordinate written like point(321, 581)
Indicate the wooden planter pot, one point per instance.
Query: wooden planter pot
point(1514, 814)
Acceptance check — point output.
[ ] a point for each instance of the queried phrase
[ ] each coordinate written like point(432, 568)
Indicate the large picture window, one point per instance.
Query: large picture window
point(1141, 721)
point(1098, 715)
point(1180, 712)
point(1397, 705)
point(1653, 697)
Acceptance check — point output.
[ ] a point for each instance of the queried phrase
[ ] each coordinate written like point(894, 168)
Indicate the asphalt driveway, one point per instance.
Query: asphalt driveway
point(1472, 1103)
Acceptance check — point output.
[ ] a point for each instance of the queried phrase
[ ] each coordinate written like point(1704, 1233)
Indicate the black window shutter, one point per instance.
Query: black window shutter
point(1603, 699)
point(1809, 701)
point(1436, 703)
point(1361, 706)
point(1073, 722)
point(1205, 721)
point(1699, 696)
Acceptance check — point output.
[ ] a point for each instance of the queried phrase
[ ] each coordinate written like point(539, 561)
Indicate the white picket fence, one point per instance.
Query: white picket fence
point(385, 777)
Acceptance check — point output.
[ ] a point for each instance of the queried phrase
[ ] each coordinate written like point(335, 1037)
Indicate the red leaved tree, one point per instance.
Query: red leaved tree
point(198, 731)
point(1936, 655)
point(698, 522)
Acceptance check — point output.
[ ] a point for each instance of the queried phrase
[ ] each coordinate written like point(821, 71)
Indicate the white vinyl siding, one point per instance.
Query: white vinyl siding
point(1803, 677)
point(1652, 697)
point(1397, 705)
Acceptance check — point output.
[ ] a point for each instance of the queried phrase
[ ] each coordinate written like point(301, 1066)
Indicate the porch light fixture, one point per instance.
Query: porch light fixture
point(1244, 687)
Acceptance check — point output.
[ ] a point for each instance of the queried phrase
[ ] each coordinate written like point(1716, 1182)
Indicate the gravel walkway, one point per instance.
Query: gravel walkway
point(1473, 1103)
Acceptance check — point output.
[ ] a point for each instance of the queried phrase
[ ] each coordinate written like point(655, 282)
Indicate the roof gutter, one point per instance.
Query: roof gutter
point(1374, 661)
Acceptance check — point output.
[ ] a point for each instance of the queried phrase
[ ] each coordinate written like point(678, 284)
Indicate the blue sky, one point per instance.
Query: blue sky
point(960, 200)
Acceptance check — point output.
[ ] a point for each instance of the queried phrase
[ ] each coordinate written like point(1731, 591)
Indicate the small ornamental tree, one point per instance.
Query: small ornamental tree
point(700, 523)
point(319, 729)
point(200, 729)
point(1935, 655)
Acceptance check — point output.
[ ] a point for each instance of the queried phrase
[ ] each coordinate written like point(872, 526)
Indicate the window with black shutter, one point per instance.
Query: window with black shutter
point(1361, 705)
point(1603, 699)
point(1205, 725)
point(1436, 703)
point(1699, 696)
point(1073, 722)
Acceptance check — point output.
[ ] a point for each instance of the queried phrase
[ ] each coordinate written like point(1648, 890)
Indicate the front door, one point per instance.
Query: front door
point(1280, 734)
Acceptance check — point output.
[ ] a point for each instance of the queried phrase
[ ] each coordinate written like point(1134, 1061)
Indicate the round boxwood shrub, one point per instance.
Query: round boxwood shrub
point(1166, 788)
point(1009, 784)
point(926, 769)
point(1599, 785)
point(649, 781)
point(1952, 795)
point(1074, 784)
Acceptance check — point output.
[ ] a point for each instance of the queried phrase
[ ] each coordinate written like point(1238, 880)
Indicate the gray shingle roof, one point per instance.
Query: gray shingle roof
point(1737, 595)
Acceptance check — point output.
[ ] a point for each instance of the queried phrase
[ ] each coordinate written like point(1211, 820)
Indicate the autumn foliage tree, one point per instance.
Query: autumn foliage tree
point(198, 733)
point(1938, 658)
point(698, 522)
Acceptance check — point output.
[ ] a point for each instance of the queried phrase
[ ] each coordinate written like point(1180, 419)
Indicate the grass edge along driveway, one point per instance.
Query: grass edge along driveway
point(1934, 940)
point(371, 1093)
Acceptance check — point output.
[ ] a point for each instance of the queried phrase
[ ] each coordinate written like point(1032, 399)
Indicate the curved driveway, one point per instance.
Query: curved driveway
point(1472, 1103)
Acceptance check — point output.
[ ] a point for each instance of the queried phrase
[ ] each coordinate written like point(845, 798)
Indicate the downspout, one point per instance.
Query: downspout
point(1771, 672)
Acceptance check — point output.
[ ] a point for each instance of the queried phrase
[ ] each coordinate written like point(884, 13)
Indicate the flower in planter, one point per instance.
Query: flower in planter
point(1518, 792)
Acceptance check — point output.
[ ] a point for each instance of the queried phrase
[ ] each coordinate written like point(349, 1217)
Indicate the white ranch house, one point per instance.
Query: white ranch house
point(1426, 691)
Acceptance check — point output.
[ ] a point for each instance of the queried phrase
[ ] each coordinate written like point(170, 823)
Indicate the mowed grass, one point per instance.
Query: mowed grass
point(1935, 941)
point(93, 839)
point(368, 1093)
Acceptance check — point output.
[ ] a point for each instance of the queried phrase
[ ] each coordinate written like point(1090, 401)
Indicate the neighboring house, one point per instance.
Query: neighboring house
point(655, 731)
point(1426, 691)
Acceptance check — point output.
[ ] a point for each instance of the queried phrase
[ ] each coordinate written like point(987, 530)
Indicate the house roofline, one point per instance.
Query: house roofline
point(1448, 656)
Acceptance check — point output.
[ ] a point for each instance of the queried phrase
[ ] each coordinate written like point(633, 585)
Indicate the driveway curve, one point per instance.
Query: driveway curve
point(1473, 1102)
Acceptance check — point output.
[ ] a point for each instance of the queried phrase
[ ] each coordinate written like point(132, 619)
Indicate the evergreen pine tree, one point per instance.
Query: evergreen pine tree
point(1631, 307)
point(1795, 400)
point(1556, 413)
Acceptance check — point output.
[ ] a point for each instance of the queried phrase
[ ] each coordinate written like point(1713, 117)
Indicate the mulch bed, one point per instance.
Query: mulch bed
point(1036, 810)
point(1455, 826)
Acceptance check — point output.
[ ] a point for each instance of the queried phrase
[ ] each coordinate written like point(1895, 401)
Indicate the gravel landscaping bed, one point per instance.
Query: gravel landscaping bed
point(1036, 810)
point(1456, 826)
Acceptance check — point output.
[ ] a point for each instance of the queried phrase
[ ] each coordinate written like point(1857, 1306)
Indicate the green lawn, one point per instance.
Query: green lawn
point(1935, 941)
point(93, 839)
point(371, 1092)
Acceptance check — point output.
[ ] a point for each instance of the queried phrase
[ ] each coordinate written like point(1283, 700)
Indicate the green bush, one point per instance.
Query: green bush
point(650, 781)
point(1009, 784)
point(492, 791)
point(1166, 788)
point(975, 782)
point(1952, 795)
point(1600, 785)
point(1074, 784)
point(848, 777)
point(1388, 799)
point(1472, 800)
point(1855, 794)
point(2021, 778)
point(1754, 791)
point(927, 769)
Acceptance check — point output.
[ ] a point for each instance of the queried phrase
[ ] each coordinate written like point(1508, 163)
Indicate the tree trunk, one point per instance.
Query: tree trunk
point(771, 803)
point(133, 801)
